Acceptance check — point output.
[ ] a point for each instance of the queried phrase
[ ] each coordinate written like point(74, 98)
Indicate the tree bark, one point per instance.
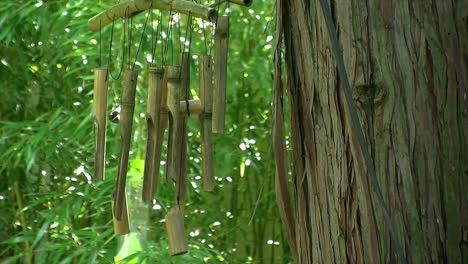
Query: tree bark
point(407, 65)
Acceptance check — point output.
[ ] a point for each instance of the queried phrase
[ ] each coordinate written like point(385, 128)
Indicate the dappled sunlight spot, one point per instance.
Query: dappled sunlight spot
point(251, 11)
point(39, 4)
point(269, 38)
point(4, 62)
point(81, 170)
point(198, 177)
point(2, 197)
point(242, 146)
point(195, 233)
point(194, 184)
point(229, 179)
point(248, 162)
point(71, 188)
point(156, 206)
point(216, 223)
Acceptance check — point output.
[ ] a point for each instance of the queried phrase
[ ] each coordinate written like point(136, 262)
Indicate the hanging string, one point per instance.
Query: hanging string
point(129, 28)
point(109, 65)
point(168, 40)
point(142, 36)
point(100, 44)
point(155, 41)
point(179, 34)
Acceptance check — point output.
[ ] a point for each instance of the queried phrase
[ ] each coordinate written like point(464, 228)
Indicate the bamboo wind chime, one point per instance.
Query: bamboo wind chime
point(168, 106)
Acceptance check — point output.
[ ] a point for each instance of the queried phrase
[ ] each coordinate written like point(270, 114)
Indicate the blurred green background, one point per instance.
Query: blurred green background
point(52, 212)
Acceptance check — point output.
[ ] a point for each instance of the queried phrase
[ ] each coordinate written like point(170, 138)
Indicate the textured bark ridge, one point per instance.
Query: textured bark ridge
point(407, 64)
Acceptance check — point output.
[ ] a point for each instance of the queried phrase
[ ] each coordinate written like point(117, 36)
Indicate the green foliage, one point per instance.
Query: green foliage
point(53, 213)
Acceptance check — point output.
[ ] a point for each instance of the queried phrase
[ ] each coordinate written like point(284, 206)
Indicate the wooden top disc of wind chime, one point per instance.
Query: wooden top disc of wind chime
point(168, 105)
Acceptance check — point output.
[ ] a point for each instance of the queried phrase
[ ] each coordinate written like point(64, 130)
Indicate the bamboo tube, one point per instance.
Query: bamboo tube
point(172, 76)
point(206, 96)
point(121, 227)
point(125, 130)
point(195, 107)
point(134, 7)
point(220, 72)
point(176, 232)
point(101, 83)
point(154, 141)
point(183, 59)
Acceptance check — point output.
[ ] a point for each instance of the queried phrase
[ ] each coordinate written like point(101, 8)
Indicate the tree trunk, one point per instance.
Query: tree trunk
point(407, 66)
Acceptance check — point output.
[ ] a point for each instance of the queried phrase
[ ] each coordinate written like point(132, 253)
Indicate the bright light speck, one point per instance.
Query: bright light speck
point(217, 223)
point(72, 188)
point(229, 179)
point(195, 233)
point(39, 3)
point(44, 173)
point(269, 38)
point(157, 207)
point(270, 242)
point(228, 10)
point(242, 146)
point(197, 177)
point(252, 141)
point(4, 62)
point(251, 11)
point(2, 197)
point(248, 162)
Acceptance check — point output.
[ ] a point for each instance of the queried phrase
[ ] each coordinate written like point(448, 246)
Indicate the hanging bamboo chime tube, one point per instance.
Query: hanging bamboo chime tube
point(101, 83)
point(172, 77)
point(176, 231)
point(206, 97)
point(125, 131)
point(220, 73)
point(155, 134)
point(183, 60)
point(121, 227)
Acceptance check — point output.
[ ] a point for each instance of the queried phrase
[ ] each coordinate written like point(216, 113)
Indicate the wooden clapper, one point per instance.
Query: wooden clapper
point(168, 106)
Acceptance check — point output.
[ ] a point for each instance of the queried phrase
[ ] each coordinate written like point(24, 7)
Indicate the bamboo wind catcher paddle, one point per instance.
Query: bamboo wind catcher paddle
point(156, 126)
point(176, 231)
point(220, 72)
point(101, 83)
point(125, 130)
